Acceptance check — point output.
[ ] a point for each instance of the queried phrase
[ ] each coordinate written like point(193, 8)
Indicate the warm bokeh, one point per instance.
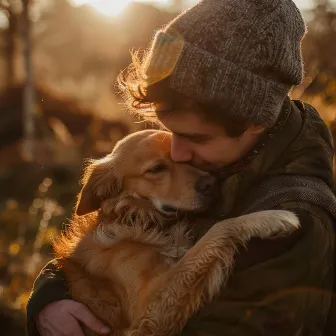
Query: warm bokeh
point(58, 67)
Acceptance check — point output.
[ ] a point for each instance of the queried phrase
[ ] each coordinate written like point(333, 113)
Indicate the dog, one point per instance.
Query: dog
point(128, 254)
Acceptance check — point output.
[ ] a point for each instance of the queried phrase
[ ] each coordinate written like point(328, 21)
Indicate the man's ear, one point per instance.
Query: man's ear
point(256, 129)
point(99, 183)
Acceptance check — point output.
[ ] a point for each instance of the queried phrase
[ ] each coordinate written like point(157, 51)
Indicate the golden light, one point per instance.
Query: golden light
point(114, 7)
point(109, 7)
point(106, 7)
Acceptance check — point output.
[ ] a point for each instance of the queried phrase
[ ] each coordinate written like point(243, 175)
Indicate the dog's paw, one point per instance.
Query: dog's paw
point(276, 223)
point(268, 224)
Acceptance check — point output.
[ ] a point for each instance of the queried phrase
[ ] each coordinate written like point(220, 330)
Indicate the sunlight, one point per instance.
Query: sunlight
point(106, 7)
point(109, 7)
point(114, 7)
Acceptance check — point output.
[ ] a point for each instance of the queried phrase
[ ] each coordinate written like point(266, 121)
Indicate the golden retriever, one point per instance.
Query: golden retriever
point(126, 254)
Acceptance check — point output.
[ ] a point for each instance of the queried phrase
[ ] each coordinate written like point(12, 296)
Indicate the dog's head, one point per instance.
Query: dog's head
point(139, 174)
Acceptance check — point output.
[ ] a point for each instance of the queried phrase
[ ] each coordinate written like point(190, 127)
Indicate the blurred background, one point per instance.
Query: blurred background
point(58, 63)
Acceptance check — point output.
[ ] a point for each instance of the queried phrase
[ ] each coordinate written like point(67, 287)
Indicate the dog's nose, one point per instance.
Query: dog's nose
point(205, 185)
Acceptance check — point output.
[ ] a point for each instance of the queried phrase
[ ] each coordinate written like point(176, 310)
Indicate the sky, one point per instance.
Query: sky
point(115, 7)
point(304, 4)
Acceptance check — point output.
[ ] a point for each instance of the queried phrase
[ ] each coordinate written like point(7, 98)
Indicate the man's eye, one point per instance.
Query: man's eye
point(158, 168)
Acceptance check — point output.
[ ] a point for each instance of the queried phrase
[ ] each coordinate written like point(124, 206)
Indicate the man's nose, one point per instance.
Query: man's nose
point(180, 151)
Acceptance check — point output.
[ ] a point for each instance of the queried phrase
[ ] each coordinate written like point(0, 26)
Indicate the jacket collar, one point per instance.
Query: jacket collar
point(237, 178)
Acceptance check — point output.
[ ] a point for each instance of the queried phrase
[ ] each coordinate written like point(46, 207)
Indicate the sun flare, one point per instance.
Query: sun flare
point(114, 7)
point(106, 7)
point(110, 7)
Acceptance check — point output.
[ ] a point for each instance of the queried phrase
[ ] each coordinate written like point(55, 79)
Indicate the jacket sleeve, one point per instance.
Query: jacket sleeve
point(279, 287)
point(49, 286)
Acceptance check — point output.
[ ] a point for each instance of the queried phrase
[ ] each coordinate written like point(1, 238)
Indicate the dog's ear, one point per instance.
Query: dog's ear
point(100, 182)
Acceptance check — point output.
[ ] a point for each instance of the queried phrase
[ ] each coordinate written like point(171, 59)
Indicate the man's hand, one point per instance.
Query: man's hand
point(62, 318)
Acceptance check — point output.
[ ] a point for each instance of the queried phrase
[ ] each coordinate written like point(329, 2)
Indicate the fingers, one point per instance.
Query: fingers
point(61, 318)
point(76, 329)
point(84, 315)
point(62, 327)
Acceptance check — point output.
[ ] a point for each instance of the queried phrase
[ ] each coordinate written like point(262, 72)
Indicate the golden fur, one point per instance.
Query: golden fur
point(126, 254)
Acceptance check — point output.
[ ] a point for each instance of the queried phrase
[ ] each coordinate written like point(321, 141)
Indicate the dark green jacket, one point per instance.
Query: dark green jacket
point(278, 287)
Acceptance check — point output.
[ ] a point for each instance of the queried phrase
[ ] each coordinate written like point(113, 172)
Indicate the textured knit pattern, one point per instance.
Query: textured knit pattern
point(288, 188)
point(244, 55)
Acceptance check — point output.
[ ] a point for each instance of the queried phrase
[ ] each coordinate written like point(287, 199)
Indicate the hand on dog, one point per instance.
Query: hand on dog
point(63, 318)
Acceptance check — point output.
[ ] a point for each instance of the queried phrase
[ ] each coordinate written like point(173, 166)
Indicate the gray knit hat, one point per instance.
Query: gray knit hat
point(241, 54)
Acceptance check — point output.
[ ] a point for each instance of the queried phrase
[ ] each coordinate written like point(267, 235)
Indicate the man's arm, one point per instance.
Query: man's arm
point(49, 286)
point(279, 287)
point(51, 311)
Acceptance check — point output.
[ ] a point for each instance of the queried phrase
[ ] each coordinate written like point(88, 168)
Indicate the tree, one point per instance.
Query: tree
point(319, 50)
point(19, 23)
point(8, 8)
point(29, 104)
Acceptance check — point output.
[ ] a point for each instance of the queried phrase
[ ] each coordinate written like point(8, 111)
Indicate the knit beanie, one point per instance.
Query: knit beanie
point(243, 55)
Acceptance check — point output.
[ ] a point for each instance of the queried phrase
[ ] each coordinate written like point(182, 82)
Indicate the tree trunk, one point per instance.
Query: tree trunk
point(11, 48)
point(9, 41)
point(28, 91)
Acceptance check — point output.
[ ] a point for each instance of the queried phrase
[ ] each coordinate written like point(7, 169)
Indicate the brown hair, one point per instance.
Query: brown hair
point(144, 101)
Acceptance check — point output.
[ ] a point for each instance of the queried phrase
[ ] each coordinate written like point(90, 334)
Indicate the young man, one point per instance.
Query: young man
point(218, 78)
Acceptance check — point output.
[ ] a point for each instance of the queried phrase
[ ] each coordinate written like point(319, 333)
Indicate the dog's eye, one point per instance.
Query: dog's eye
point(158, 168)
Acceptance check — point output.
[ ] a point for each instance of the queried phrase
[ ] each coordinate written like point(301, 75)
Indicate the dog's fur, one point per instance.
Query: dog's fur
point(128, 257)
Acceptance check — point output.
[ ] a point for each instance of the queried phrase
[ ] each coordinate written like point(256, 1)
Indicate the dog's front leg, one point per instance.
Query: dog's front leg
point(98, 295)
point(205, 268)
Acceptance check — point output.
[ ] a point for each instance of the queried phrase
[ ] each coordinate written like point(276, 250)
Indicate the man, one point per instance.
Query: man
point(218, 78)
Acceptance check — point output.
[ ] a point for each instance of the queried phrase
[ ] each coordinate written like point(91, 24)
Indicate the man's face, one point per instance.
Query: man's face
point(203, 144)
